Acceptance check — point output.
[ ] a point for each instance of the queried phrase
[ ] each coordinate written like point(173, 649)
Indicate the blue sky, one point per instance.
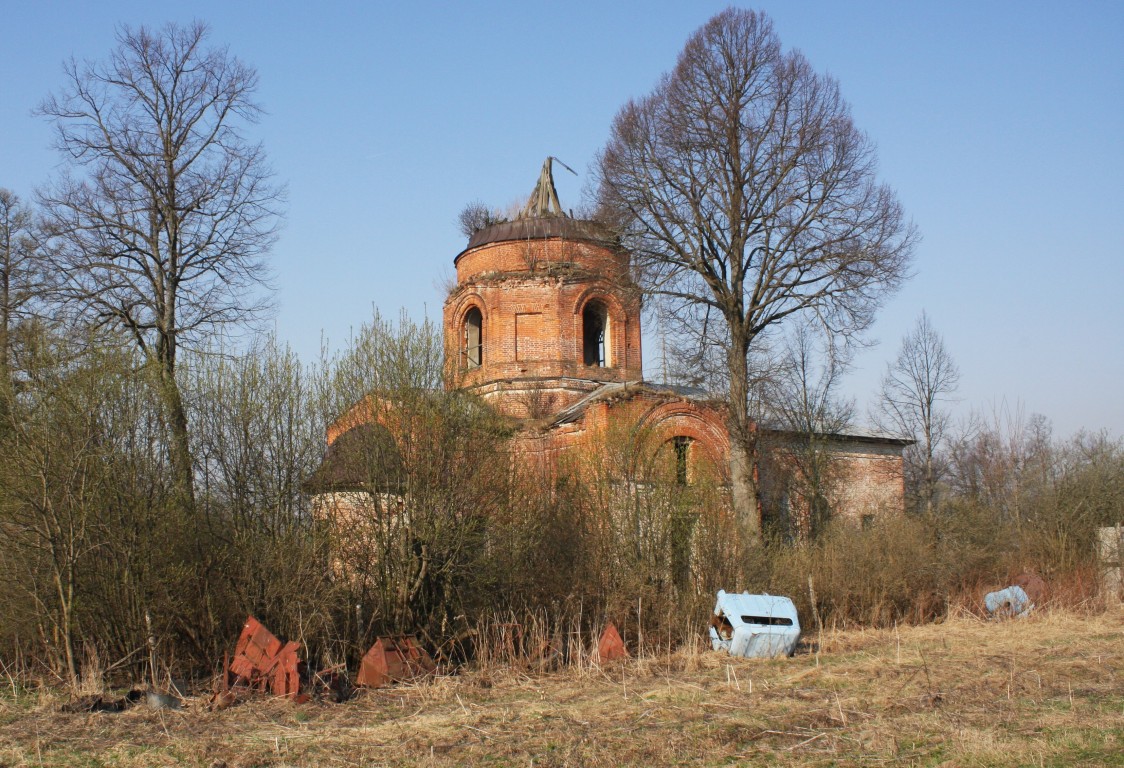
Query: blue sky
point(1001, 125)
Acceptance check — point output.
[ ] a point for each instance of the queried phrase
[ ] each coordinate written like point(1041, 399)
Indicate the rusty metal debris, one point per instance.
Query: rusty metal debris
point(1033, 585)
point(611, 646)
point(393, 659)
point(222, 699)
point(262, 663)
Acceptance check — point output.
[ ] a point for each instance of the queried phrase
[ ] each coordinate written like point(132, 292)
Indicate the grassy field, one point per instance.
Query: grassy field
point(1044, 691)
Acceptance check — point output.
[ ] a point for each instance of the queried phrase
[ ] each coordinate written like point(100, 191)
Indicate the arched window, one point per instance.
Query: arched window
point(595, 334)
point(474, 338)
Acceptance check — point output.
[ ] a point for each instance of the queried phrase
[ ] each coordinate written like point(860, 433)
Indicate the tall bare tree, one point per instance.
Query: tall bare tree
point(915, 388)
point(167, 210)
point(747, 195)
point(23, 280)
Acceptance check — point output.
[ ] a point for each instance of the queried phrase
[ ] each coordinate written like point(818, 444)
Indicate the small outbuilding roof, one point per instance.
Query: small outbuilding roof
point(364, 458)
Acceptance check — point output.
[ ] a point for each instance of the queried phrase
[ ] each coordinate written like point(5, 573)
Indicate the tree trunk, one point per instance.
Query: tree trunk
point(7, 389)
point(180, 445)
point(930, 490)
point(66, 601)
point(5, 321)
point(743, 449)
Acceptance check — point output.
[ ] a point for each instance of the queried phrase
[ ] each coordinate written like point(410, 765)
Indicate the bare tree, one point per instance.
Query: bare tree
point(802, 398)
point(23, 280)
point(163, 232)
point(914, 389)
point(803, 394)
point(745, 192)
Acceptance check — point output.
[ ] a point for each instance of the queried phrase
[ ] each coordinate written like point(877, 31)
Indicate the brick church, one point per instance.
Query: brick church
point(543, 325)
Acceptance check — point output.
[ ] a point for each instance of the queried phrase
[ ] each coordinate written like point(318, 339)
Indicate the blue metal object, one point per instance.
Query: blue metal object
point(1011, 601)
point(759, 626)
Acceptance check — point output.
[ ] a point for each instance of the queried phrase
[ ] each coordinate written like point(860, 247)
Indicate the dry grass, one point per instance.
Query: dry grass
point(1047, 690)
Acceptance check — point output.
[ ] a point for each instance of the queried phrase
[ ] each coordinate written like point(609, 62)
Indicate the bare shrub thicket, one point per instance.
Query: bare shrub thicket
point(1016, 501)
point(440, 530)
point(83, 501)
point(98, 556)
point(479, 552)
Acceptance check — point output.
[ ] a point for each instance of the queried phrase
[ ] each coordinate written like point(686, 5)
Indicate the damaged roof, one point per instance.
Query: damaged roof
point(542, 218)
point(696, 394)
point(543, 202)
point(626, 388)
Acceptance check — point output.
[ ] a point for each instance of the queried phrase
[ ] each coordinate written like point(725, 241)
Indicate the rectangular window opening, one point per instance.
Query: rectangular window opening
point(768, 621)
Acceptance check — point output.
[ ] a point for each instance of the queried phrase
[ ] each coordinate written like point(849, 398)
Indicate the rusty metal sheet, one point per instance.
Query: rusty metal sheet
point(611, 646)
point(1033, 585)
point(256, 648)
point(284, 674)
point(392, 659)
point(541, 229)
point(262, 662)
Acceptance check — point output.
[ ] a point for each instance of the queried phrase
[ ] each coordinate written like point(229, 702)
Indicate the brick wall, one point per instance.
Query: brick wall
point(860, 478)
point(531, 295)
